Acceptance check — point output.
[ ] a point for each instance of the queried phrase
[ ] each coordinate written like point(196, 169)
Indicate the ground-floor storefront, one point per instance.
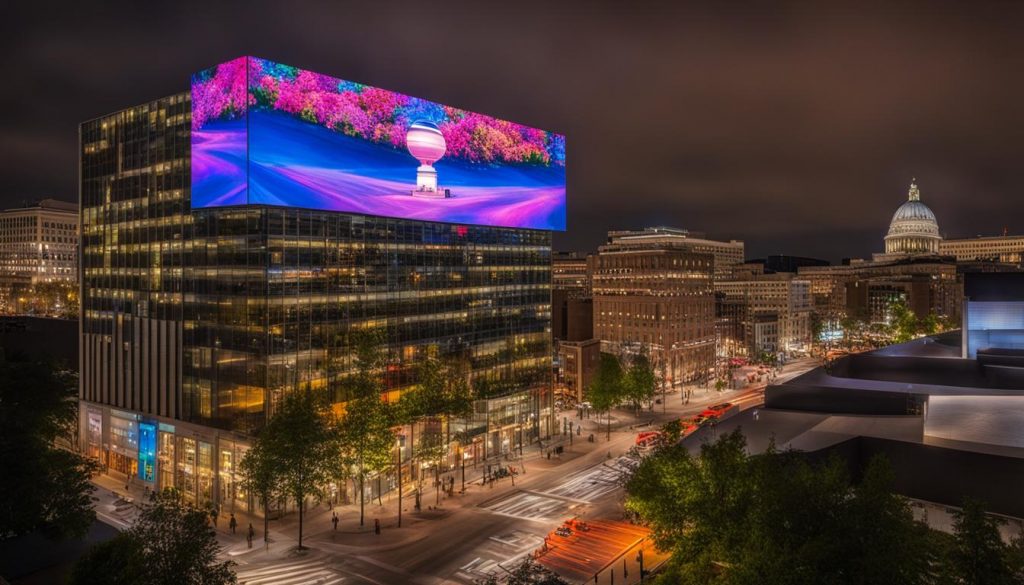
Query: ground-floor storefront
point(203, 462)
point(199, 461)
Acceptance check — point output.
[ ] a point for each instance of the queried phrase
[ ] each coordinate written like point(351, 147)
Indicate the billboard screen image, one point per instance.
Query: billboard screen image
point(270, 134)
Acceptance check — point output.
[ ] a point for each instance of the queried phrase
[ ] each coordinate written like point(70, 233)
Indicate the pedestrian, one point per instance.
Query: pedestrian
point(249, 535)
point(579, 429)
point(376, 525)
point(334, 520)
point(232, 523)
point(213, 516)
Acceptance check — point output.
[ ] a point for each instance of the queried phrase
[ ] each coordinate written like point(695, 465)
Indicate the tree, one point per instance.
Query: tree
point(606, 388)
point(171, 543)
point(530, 573)
point(639, 383)
point(367, 441)
point(365, 431)
point(902, 321)
point(730, 517)
point(301, 443)
point(118, 561)
point(443, 390)
point(44, 487)
point(260, 476)
point(979, 554)
point(442, 393)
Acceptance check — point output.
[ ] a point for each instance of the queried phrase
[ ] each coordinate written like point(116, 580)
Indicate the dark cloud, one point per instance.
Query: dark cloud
point(794, 128)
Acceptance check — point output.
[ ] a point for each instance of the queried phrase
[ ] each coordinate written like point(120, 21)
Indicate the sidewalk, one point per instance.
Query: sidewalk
point(115, 504)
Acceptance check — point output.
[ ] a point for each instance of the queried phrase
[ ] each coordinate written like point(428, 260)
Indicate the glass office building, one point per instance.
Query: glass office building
point(194, 321)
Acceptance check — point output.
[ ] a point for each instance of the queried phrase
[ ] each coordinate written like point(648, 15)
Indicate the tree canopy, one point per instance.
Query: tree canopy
point(640, 382)
point(44, 487)
point(732, 518)
point(297, 451)
point(171, 543)
point(607, 386)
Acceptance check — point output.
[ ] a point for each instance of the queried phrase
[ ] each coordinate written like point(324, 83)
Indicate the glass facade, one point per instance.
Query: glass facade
point(994, 324)
point(209, 316)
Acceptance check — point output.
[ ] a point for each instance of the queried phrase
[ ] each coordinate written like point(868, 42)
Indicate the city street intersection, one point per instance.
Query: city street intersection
point(488, 530)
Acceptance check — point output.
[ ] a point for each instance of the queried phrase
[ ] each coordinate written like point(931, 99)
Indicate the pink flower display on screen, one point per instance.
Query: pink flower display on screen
point(220, 92)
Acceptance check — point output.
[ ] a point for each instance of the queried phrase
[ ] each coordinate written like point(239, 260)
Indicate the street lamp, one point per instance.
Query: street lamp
point(400, 442)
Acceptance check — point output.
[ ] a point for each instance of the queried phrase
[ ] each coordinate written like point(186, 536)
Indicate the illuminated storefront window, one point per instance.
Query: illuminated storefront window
point(205, 472)
point(165, 457)
point(187, 459)
point(94, 435)
point(147, 451)
point(124, 445)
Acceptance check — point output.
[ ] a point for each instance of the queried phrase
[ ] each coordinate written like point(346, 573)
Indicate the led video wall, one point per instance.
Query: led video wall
point(272, 134)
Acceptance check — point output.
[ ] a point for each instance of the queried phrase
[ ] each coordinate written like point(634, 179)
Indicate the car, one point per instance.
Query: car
point(647, 438)
point(563, 531)
point(717, 410)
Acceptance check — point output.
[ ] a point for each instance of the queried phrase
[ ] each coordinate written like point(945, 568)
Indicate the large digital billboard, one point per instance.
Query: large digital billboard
point(264, 133)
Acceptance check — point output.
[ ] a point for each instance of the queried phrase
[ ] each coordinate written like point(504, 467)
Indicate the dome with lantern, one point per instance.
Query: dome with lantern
point(913, 229)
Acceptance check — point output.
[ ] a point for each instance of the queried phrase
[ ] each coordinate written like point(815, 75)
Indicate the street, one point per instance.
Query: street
point(489, 529)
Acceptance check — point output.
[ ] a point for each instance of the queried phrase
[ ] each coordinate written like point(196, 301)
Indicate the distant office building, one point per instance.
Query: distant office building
point(210, 290)
point(1006, 249)
point(657, 292)
point(572, 318)
point(726, 254)
point(783, 263)
point(40, 241)
point(774, 309)
point(577, 362)
point(569, 273)
point(863, 290)
point(910, 269)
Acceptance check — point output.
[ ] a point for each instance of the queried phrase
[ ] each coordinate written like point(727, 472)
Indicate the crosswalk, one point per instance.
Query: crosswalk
point(530, 506)
point(304, 572)
point(503, 553)
point(594, 483)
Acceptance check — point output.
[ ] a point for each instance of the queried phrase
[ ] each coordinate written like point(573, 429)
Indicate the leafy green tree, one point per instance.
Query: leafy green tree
point(442, 394)
point(443, 390)
point(261, 476)
point(902, 321)
point(818, 323)
point(530, 573)
point(44, 487)
point(606, 387)
point(883, 543)
point(171, 543)
point(367, 441)
point(118, 561)
point(301, 444)
point(979, 555)
point(931, 324)
point(729, 517)
point(639, 382)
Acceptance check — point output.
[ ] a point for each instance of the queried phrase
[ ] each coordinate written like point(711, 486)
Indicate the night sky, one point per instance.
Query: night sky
point(796, 129)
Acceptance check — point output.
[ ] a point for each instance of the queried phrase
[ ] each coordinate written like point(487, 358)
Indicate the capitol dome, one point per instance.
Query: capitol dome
point(913, 229)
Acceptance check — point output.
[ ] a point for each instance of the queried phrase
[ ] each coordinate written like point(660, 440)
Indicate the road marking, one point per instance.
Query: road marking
point(311, 572)
point(533, 506)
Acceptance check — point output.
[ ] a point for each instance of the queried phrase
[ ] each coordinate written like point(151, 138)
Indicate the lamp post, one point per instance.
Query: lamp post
point(462, 456)
point(398, 466)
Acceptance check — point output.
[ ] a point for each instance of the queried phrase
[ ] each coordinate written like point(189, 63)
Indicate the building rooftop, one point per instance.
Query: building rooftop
point(50, 204)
